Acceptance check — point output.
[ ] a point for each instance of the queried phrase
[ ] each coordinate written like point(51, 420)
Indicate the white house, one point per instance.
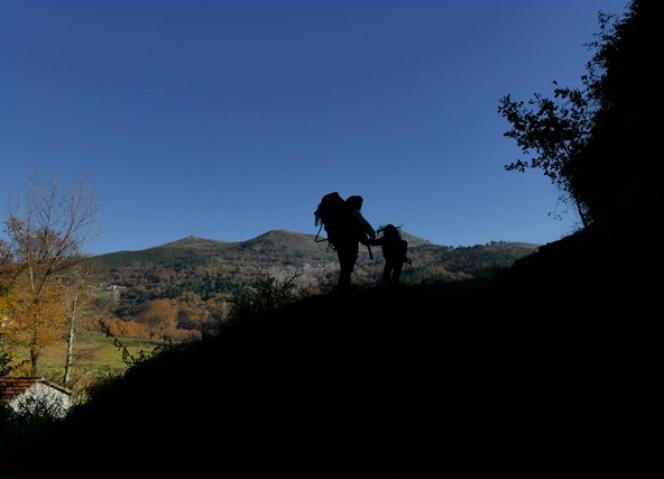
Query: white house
point(34, 395)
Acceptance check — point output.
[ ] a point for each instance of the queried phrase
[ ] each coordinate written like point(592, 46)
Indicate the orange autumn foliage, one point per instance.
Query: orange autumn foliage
point(160, 316)
point(128, 329)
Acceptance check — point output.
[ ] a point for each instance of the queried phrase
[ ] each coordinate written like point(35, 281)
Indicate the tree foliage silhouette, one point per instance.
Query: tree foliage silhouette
point(596, 142)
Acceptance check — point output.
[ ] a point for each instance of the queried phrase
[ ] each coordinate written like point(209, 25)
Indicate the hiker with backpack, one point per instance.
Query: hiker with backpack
point(346, 228)
point(394, 251)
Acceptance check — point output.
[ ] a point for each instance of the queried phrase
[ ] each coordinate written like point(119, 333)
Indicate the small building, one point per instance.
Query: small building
point(34, 395)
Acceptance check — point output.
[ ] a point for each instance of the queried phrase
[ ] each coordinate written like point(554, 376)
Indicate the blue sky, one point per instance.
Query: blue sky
point(228, 119)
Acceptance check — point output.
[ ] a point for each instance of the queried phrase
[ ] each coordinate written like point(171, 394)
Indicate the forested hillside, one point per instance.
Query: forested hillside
point(207, 267)
point(197, 278)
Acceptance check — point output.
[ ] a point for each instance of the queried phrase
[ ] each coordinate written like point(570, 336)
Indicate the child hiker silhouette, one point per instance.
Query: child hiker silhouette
point(394, 251)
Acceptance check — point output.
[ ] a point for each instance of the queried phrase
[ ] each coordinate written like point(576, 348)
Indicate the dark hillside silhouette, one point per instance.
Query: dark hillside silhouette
point(462, 377)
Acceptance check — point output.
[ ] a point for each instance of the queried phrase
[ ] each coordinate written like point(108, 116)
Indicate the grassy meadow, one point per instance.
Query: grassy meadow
point(95, 358)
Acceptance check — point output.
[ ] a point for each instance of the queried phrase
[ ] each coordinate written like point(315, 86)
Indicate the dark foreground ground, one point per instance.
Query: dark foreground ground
point(549, 372)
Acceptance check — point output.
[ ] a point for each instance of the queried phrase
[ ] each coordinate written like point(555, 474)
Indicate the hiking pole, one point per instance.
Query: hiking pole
point(318, 234)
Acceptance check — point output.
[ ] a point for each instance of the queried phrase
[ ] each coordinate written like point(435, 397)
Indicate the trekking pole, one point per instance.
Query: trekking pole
point(318, 234)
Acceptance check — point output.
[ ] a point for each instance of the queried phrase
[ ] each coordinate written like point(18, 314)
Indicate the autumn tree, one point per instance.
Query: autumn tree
point(129, 329)
point(5, 308)
point(47, 229)
point(160, 315)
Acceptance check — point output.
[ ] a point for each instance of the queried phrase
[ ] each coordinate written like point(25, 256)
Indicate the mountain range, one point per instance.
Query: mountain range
point(208, 267)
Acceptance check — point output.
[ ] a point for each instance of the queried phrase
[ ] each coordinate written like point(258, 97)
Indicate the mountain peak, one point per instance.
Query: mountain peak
point(280, 233)
point(193, 241)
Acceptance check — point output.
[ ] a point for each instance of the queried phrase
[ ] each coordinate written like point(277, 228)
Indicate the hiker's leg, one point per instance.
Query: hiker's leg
point(397, 273)
point(386, 272)
point(344, 274)
point(347, 257)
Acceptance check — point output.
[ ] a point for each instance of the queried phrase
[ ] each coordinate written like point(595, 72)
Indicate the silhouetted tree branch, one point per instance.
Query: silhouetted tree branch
point(596, 143)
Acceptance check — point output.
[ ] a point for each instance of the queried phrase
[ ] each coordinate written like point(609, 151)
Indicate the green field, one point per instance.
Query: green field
point(95, 357)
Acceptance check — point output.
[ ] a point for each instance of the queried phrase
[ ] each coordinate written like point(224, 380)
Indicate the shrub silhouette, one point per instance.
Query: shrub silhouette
point(265, 293)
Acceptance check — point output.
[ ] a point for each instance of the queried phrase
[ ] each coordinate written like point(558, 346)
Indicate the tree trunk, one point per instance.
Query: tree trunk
point(584, 220)
point(70, 342)
point(34, 356)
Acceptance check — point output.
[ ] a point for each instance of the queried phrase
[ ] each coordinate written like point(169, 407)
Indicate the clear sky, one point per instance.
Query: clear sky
point(225, 119)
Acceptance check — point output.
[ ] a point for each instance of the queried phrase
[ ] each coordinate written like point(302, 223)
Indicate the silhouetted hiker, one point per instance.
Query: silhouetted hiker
point(394, 251)
point(346, 228)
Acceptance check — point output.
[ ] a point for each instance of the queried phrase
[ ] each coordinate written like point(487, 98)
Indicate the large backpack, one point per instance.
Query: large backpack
point(333, 213)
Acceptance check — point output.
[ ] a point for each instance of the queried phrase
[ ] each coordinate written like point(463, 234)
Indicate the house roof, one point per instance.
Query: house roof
point(12, 387)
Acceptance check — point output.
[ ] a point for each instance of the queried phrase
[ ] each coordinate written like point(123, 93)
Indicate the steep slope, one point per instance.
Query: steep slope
point(463, 376)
